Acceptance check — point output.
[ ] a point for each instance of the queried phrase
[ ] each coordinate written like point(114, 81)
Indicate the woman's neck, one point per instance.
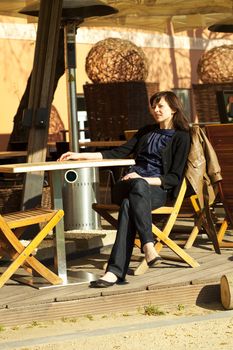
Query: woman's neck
point(165, 125)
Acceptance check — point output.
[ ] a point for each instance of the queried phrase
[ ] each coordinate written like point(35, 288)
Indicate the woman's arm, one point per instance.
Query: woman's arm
point(117, 152)
point(80, 156)
point(174, 160)
point(131, 146)
point(151, 180)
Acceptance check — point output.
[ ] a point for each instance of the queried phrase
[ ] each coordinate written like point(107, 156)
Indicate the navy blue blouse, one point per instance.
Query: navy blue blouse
point(149, 159)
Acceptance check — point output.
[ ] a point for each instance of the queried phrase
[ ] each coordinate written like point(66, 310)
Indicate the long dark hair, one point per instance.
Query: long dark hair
point(180, 121)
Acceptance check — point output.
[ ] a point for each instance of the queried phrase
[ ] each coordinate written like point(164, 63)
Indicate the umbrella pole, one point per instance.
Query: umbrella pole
point(70, 29)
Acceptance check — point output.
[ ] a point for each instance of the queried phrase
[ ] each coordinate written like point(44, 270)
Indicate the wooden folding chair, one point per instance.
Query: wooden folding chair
point(11, 228)
point(188, 208)
point(170, 214)
point(221, 138)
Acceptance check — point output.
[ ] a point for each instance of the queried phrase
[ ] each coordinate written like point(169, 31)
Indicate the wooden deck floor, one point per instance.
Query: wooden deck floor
point(172, 282)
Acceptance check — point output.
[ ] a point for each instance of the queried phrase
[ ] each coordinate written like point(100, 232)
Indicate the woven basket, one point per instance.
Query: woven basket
point(206, 102)
point(10, 198)
point(115, 107)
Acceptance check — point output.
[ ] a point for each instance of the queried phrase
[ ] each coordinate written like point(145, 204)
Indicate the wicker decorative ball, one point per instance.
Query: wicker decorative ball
point(216, 65)
point(115, 60)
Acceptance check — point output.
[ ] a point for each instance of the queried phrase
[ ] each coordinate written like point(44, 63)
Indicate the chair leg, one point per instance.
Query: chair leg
point(195, 231)
point(192, 237)
point(220, 236)
point(222, 231)
point(107, 216)
point(141, 269)
point(8, 251)
point(197, 222)
point(37, 266)
point(174, 247)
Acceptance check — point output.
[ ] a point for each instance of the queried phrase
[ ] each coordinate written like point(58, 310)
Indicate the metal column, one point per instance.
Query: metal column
point(80, 187)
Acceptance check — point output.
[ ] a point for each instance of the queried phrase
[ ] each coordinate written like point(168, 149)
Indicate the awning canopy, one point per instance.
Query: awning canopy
point(152, 15)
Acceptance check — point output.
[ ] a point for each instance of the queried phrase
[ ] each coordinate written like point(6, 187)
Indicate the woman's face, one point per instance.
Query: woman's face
point(163, 114)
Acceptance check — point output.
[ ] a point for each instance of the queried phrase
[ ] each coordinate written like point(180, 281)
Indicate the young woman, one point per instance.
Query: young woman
point(160, 151)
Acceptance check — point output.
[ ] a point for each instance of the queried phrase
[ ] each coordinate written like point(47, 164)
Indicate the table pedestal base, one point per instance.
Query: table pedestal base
point(73, 278)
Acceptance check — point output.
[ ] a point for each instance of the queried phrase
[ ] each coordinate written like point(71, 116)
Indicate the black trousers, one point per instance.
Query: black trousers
point(136, 199)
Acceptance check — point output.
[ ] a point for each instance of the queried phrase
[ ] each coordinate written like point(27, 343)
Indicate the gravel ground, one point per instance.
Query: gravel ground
point(180, 327)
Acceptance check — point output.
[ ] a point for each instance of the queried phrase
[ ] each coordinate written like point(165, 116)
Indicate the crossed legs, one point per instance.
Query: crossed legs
point(136, 198)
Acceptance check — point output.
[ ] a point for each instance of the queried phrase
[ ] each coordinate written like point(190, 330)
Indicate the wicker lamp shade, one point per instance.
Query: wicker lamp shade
point(216, 65)
point(116, 60)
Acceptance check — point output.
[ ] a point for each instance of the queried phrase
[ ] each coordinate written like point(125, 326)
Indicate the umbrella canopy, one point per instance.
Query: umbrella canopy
point(12, 7)
point(153, 15)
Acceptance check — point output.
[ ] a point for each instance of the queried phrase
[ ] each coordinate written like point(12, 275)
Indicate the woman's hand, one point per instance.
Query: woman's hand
point(130, 176)
point(80, 156)
point(155, 181)
point(69, 156)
